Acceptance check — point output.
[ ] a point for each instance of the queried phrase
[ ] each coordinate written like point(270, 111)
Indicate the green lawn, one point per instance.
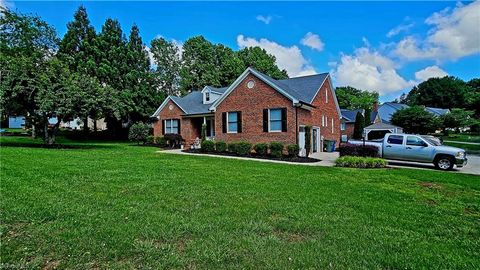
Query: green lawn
point(462, 138)
point(121, 206)
point(470, 148)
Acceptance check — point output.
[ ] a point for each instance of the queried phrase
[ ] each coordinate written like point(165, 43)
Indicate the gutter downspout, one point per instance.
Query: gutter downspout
point(296, 125)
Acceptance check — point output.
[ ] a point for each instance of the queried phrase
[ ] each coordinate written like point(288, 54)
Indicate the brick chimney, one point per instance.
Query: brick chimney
point(375, 106)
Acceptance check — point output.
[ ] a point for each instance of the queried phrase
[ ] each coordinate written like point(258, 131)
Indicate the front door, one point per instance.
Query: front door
point(301, 137)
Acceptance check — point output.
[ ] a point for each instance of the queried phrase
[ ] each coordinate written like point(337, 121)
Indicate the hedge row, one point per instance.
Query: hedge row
point(243, 148)
point(359, 150)
point(360, 162)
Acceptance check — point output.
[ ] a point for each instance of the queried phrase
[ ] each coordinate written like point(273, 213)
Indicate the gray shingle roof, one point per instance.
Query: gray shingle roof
point(351, 115)
point(192, 103)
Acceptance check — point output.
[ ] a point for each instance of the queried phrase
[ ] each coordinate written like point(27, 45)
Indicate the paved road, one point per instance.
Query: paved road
point(473, 166)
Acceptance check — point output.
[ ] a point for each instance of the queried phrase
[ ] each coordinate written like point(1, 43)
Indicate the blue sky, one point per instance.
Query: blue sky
point(380, 46)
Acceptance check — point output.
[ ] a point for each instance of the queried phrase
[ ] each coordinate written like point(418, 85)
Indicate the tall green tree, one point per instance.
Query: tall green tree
point(353, 99)
point(77, 50)
point(458, 119)
point(472, 97)
point(358, 126)
point(229, 65)
point(198, 65)
point(447, 92)
point(142, 96)
point(167, 66)
point(259, 59)
point(416, 120)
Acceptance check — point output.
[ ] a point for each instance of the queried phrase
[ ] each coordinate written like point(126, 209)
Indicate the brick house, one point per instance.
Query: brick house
point(256, 108)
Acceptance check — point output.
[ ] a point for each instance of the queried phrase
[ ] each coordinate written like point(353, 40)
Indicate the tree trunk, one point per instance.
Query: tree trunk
point(85, 125)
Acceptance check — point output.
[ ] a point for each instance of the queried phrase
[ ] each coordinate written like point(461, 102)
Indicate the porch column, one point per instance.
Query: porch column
point(205, 120)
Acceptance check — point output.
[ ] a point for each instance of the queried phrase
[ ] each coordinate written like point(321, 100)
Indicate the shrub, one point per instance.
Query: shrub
point(359, 150)
point(243, 148)
point(160, 141)
point(293, 150)
point(220, 147)
point(150, 139)
point(261, 149)
point(232, 147)
point(138, 132)
point(173, 140)
point(207, 146)
point(276, 149)
point(308, 140)
point(360, 162)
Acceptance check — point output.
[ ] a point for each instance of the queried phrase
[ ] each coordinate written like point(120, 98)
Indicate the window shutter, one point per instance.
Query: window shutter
point(224, 122)
point(163, 127)
point(179, 127)
point(239, 122)
point(284, 119)
point(265, 120)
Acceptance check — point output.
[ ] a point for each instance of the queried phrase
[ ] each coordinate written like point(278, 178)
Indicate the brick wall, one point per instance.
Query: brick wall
point(251, 103)
point(187, 130)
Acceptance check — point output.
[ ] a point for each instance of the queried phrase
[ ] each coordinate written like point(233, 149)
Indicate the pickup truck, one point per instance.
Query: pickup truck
point(418, 148)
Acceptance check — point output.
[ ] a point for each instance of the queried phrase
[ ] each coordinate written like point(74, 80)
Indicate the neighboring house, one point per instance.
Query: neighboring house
point(16, 121)
point(348, 121)
point(387, 109)
point(256, 108)
point(378, 130)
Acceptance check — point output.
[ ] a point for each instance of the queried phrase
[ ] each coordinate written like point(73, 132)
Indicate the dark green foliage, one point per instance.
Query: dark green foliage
point(293, 150)
point(458, 119)
point(150, 139)
point(204, 132)
point(139, 132)
point(359, 126)
point(359, 150)
point(360, 162)
point(261, 149)
point(220, 146)
point(160, 141)
point(259, 59)
point(232, 147)
point(308, 140)
point(243, 148)
point(208, 146)
point(276, 149)
point(368, 113)
point(415, 120)
point(173, 140)
point(167, 61)
point(351, 98)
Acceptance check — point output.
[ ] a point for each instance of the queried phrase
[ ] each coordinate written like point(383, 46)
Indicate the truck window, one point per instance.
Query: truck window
point(395, 139)
point(415, 141)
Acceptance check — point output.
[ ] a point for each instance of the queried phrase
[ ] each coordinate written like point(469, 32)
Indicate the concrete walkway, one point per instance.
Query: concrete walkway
point(326, 159)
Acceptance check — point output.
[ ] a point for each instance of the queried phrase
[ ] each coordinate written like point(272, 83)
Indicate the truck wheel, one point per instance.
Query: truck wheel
point(444, 163)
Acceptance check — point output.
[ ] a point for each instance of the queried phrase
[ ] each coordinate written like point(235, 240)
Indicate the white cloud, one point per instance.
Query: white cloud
point(313, 41)
point(399, 29)
point(264, 19)
point(6, 4)
point(288, 58)
point(430, 72)
point(454, 34)
point(369, 70)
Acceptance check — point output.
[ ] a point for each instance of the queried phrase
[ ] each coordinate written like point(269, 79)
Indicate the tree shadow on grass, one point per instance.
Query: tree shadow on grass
point(59, 146)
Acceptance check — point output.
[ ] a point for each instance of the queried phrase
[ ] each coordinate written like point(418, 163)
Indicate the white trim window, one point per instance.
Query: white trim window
point(343, 126)
point(332, 125)
point(326, 95)
point(274, 120)
point(323, 120)
point(171, 126)
point(232, 122)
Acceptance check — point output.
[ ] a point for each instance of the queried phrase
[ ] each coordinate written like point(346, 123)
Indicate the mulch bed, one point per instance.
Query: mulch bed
point(287, 159)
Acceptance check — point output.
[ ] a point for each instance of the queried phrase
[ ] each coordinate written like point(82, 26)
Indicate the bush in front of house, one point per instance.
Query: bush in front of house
point(139, 132)
point(293, 150)
point(173, 140)
point(360, 162)
point(261, 149)
point(276, 149)
point(160, 141)
point(220, 147)
point(150, 139)
point(207, 146)
point(243, 148)
point(359, 150)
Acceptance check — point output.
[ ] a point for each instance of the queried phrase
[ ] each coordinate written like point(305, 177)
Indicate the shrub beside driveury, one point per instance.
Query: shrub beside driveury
point(359, 150)
point(293, 150)
point(360, 162)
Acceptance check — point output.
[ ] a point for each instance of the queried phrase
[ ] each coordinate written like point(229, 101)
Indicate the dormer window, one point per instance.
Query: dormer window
point(207, 96)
